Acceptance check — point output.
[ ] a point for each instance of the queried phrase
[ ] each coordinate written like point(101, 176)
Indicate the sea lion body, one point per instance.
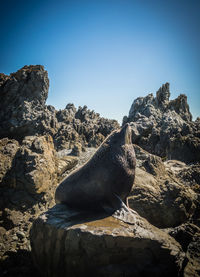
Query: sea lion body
point(107, 177)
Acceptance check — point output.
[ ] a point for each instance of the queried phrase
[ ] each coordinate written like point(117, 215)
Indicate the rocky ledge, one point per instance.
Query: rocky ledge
point(68, 242)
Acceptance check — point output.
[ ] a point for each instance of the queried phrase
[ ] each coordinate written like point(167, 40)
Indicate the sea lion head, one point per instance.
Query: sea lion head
point(121, 137)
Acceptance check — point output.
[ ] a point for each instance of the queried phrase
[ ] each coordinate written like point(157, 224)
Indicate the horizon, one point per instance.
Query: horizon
point(105, 54)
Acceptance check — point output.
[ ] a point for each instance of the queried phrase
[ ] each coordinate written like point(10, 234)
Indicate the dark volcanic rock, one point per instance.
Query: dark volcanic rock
point(165, 127)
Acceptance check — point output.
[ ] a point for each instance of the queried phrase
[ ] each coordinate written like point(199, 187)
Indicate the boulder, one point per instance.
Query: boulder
point(69, 242)
point(33, 166)
point(158, 194)
point(164, 127)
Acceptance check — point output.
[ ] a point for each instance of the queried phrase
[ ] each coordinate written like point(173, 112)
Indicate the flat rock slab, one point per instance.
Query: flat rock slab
point(67, 242)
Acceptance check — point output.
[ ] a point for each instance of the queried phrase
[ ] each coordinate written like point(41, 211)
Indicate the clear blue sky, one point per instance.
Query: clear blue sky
point(105, 53)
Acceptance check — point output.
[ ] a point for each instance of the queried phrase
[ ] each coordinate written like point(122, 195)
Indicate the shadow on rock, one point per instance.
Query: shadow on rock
point(18, 264)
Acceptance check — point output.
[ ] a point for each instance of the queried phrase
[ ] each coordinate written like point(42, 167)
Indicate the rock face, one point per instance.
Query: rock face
point(165, 127)
point(23, 96)
point(68, 242)
point(29, 174)
point(32, 167)
point(188, 235)
point(23, 112)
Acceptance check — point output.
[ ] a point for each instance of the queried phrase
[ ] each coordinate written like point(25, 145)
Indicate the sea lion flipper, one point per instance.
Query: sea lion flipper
point(114, 203)
point(119, 210)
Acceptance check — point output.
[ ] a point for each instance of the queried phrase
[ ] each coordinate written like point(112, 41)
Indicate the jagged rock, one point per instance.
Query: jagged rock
point(188, 235)
point(23, 112)
point(69, 242)
point(65, 163)
point(184, 234)
point(22, 107)
point(193, 255)
point(77, 149)
point(83, 126)
point(162, 95)
point(8, 150)
point(29, 176)
point(33, 167)
point(158, 195)
point(189, 177)
point(165, 127)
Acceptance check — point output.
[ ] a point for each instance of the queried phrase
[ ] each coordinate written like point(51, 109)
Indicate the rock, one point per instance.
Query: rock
point(164, 127)
point(77, 149)
point(65, 163)
point(158, 195)
point(33, 166)
point(8, 150)
point(184, 234)
point(20, 235)
point(23, 112)
point(96, 140)
point(193, 255)
point(81, 126)
point(23, 96)
point(188, 235)
point(10, 218)
point(162, 95)
point(20, 205)
point(79, 243)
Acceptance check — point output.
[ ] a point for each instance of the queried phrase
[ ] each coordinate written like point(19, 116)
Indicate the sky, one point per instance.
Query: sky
point(105, 53)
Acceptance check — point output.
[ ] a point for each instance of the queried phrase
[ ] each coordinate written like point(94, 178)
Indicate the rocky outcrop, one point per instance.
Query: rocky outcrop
point(159, 194)
point(164, 127)
point(81, 126)
point(69, 242)
point(23, 112)
point(29, 174)
point(32, 167)
point(22, 108)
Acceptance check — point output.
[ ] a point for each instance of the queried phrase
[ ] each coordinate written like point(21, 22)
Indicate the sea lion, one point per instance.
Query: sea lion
point(106, 179)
